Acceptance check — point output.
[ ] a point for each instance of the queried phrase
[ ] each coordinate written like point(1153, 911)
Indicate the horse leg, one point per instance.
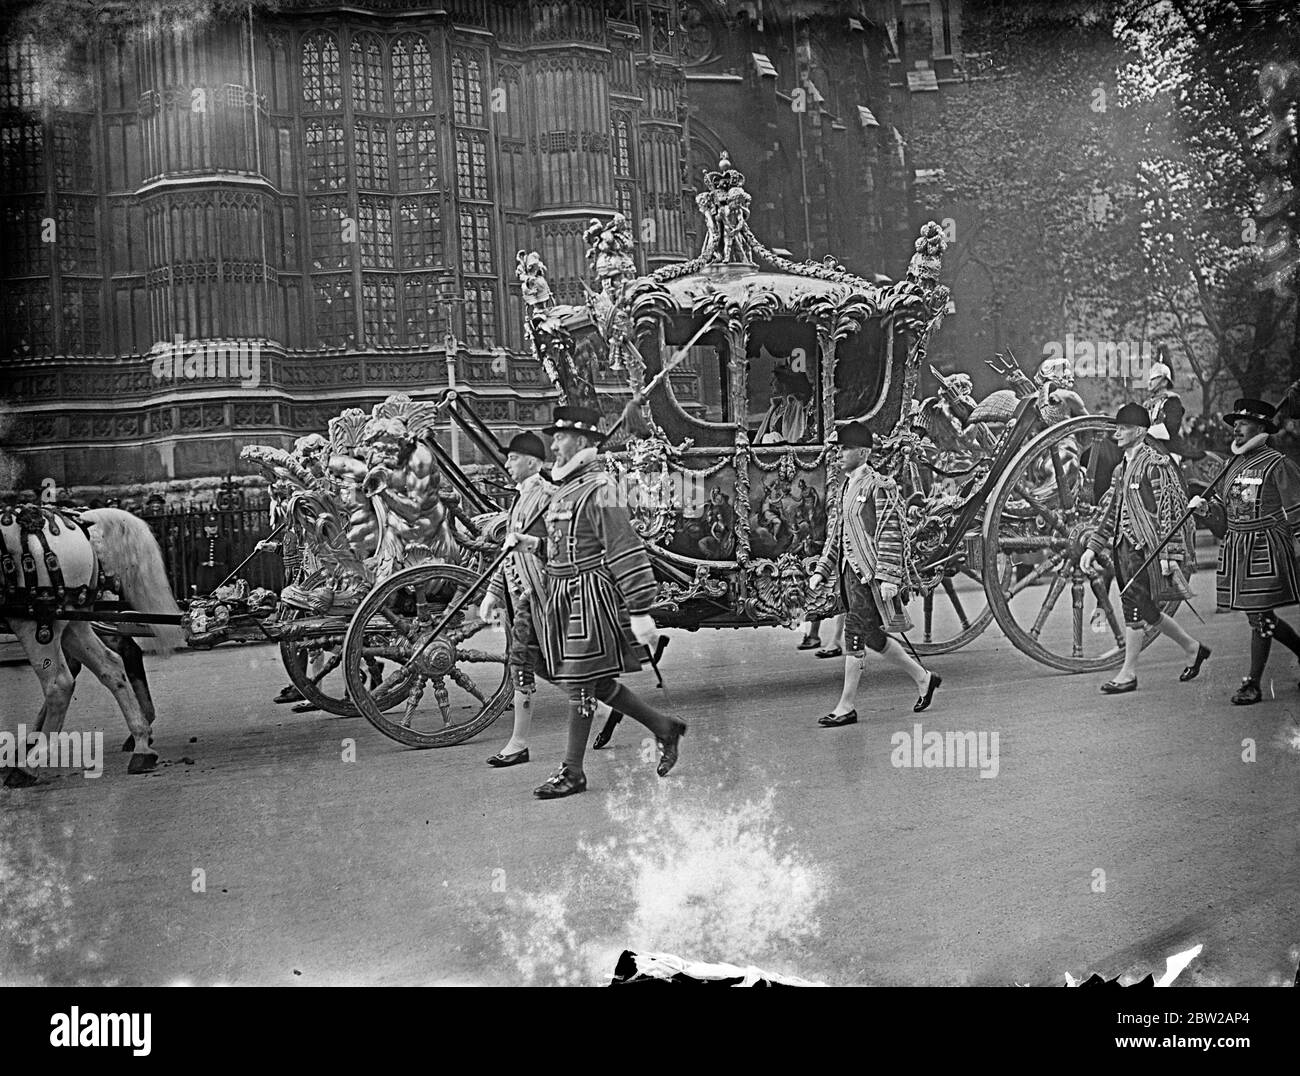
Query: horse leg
point(133, 658)
point(52, 670)
point(74, 667)
point(111, 672)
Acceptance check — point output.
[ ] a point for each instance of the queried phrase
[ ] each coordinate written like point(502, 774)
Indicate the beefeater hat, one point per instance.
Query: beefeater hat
point(577, 420)
point(1253, 411)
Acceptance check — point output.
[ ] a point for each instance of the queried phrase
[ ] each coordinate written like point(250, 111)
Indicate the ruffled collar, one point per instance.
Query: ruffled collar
point(577, 461)
point(1250, 445)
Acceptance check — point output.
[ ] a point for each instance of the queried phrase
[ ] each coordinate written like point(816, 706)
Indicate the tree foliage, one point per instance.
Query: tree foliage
point(1214, 85)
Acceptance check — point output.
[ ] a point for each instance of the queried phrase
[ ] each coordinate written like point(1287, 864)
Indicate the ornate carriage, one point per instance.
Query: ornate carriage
point(728, 484)
point(730, 488)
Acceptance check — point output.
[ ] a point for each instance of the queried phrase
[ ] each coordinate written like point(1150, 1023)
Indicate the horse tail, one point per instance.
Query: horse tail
point(127, 550)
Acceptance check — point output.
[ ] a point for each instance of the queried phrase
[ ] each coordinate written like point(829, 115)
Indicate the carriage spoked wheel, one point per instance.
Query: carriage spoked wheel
point(954, 612)
point(1038, 520)
point(314, 665)
point(454, 684)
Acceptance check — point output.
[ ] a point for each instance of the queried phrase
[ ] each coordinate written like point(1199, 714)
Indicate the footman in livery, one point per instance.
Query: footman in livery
point(1145, 500)
point(864, 553)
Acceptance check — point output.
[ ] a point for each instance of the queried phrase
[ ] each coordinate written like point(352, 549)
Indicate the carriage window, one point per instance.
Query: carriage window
point(784, 391)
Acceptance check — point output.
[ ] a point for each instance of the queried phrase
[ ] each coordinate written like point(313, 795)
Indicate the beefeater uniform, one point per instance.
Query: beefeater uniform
point(1145, 500)
point(864, 549)
point(598, 576)
point(1257, 569)
point(523, 579)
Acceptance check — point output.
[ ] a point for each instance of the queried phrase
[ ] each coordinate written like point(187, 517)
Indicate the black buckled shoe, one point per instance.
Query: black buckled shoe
point(834, 721)
point(607, 730)
point(288, 693)
point(563, 782)
point(515, 758)
point(810, 642)
point(936, 681)
point(1248, 694)
point(1115, 687)
point(668, 759)
point(1193, 670)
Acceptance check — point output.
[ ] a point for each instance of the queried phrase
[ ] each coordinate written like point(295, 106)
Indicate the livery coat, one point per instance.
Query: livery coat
point(1257, 559)
point(1145, 500)
point(598, 576)
point(866, 535)
point(523, 571)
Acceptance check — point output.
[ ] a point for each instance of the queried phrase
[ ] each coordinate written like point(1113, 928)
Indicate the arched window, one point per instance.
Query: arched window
point(322, 79)
point(421, 309)
point(476, 239)
point(379, 309)
point(412, 74)
point(19, 84)
point(417, 155)
point(367, 56)
point(467, 89)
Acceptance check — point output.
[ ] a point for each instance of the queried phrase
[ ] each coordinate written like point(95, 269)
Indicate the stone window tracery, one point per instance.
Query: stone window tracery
point(467, 89)
point(335, 324)
point(326, 156)
point(412, 74)
point(375, 224)
point(372, 154)
point(471, 165)
point(421, 309)
point(480, 314)
point(476, 239)
point(322, 78)
point(22, 157)
point(329, 246)
point(421, 232)
point(379, 309)
point(417, 155)
point(367, 59)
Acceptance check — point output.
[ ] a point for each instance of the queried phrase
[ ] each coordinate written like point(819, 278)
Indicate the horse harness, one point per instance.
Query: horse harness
point(24, 598)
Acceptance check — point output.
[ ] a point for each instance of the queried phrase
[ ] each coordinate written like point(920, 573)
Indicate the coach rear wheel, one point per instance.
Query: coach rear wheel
point(1038, 520)
point(455, 684)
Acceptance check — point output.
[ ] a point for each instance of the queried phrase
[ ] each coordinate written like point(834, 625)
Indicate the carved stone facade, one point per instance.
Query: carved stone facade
point(325, 195)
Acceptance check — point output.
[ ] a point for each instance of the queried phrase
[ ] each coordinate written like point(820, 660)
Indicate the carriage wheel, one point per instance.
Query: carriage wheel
point(1038, 519)
point(954, 613)
point(455, 684)
point(315, 668)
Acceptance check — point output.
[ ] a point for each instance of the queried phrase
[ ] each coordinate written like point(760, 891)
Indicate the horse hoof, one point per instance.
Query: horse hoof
point(141, 763)
point(17, 778)
point(128, 745)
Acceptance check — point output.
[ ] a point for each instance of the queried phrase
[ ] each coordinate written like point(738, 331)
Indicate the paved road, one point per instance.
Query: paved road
point(777, 843)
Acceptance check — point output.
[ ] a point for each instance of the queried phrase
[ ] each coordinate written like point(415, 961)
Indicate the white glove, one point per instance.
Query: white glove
point(643, 627)
point(487, 610)
point(1166, 566)
point(889, 591)
point(1197, 503)
point(1088, 562)
point(815, 583)
point(514, 538)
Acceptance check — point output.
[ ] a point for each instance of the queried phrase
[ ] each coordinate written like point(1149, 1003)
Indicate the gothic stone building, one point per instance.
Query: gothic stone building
point(224, 232)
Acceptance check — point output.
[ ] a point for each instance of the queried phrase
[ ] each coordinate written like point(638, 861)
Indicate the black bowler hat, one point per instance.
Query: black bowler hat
point(1253, 411)
point(856, 435)
point(527, 444)
point(1132, 414)
point(577, 419)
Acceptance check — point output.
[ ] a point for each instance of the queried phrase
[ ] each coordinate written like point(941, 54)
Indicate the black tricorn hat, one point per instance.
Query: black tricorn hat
point(1132, 414)
point(1253, 411)
point(527, 443)
point(856, 435)
point(577, 419)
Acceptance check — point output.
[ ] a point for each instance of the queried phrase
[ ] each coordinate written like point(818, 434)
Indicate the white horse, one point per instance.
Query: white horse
point(121, 545)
